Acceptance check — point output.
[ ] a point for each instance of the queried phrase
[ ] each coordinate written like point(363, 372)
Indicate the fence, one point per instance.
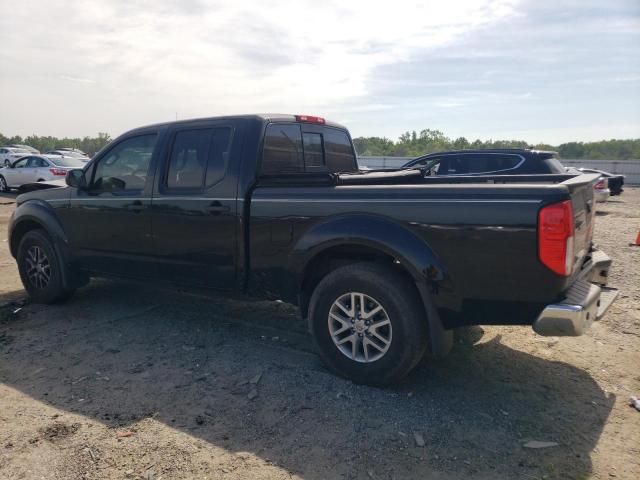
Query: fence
point(629, 168)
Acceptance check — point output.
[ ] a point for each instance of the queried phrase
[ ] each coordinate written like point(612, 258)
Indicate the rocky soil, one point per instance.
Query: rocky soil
point(131, 382)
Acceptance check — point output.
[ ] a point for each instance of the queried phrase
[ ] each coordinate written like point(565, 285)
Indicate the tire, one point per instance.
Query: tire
point(404, 339)
point(40, 268)
point(3, 185)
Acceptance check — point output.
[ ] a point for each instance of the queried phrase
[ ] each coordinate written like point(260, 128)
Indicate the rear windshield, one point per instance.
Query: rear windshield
point(67, 162)
point(288, 149)
point(555, 165)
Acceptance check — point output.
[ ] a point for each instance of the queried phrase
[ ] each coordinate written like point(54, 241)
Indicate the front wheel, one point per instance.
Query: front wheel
point(41, 268)
point(368, 323)
point(3, 185)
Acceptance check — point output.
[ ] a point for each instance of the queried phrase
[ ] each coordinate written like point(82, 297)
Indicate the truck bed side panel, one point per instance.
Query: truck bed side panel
point(485, 235)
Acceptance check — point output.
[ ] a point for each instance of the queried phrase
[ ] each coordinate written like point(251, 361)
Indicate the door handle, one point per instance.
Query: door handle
point(216, 208)
point(136, 207)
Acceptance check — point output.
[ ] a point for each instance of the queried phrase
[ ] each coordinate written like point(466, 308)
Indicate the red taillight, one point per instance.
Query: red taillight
point(555, 237)
point(600, 185)
point(58, 172)
point(310, 119)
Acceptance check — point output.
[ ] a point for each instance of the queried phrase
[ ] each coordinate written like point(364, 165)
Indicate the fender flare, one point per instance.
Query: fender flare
point(40, 212)
point(389, 237)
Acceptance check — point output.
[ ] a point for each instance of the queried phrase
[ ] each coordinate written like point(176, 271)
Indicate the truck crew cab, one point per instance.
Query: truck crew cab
point(382, 264)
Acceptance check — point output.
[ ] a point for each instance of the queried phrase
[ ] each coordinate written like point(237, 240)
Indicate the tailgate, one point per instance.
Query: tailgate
point(583, 203)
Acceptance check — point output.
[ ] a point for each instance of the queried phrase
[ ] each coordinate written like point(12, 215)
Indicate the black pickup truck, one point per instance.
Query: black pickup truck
point(383, 264)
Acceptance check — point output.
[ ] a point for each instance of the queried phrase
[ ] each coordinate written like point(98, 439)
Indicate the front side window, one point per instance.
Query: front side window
point(21, 163)
point(125, 166)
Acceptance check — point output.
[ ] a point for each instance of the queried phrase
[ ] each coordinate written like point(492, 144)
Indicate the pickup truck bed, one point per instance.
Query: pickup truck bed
point(382, 264)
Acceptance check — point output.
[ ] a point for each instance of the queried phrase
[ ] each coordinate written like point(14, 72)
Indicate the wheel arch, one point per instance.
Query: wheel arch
point(31, 216)
point(364, 237)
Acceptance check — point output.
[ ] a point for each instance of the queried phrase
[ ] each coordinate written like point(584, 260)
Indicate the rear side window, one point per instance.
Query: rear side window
point(189, 156)
point(219, 158)
point(477, 164)
point(282, 149)
point(199, 157)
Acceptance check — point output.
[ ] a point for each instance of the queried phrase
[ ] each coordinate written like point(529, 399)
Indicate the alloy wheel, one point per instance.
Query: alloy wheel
point(360, 327)
point(38, 267)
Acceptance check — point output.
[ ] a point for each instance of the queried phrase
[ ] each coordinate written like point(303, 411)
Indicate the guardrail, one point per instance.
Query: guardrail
point(629, 168)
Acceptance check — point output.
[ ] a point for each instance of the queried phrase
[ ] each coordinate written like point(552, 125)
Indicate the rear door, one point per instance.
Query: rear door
point(194, 207)
point(40, 169)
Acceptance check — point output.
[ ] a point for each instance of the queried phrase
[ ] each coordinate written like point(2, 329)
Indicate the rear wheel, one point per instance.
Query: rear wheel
point(3, 185)
point(41, 268)
point(369, 323)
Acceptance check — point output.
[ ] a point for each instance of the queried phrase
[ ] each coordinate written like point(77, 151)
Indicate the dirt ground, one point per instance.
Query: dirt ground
point(131, 382)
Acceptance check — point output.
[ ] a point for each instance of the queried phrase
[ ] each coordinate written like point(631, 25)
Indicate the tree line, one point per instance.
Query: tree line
point(414, 144)
point(89, 145)
point(410, 144)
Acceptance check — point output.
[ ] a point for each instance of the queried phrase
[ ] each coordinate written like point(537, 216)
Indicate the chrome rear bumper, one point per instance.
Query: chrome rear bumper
point(586, 301)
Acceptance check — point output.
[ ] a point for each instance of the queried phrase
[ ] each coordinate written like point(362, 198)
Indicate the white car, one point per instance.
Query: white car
point(29, 148)
point(8, 155)
point(36, 168)
point(69, 152)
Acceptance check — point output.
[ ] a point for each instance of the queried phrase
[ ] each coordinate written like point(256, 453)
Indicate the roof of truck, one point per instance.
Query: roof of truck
point(265, 117)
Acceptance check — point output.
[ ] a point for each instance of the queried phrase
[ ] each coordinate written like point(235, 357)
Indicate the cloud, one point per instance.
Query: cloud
point(213, 56)
point(77, 79)
point(460, 66)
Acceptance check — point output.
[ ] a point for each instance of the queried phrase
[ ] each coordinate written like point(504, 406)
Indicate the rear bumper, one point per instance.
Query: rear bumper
point(586, 301)
point(601, 195)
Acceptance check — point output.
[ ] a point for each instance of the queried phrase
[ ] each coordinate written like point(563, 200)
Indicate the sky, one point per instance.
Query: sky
point(541, 71)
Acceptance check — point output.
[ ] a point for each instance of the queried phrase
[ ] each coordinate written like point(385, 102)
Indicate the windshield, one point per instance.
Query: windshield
point(66, 162)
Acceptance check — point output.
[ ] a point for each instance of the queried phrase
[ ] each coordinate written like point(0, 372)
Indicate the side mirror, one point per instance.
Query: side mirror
point(75, 178)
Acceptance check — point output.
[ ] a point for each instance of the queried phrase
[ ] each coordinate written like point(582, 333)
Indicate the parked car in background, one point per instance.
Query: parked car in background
point(614, 181)
point(25, 147)
point(8, 155)
point(601, 190)
point(488, 162)
point(36, 168)
point(69, 152)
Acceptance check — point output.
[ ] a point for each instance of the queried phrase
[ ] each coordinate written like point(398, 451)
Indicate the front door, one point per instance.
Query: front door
point(194, 207)
point(109, 223)
point(16, 175)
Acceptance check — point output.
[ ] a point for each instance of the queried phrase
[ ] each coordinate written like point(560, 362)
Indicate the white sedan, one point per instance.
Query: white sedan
point(8, 155)
point(36, 168)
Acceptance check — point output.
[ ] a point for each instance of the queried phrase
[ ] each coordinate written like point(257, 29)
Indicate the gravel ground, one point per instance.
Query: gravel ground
point(125, 381)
